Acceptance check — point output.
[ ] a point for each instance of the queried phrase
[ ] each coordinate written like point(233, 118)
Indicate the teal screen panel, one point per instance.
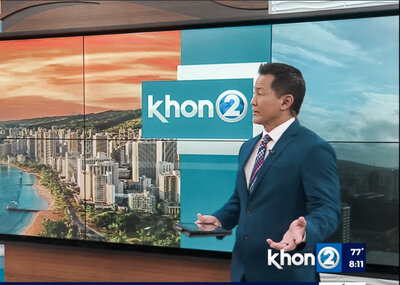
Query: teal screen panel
point(226, 45)
point(207, 182)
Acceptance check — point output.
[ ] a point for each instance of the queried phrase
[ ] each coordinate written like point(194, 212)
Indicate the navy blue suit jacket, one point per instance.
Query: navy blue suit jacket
point(298, 178)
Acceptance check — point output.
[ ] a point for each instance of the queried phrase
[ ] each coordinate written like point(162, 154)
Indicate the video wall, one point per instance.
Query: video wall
point(116, 138)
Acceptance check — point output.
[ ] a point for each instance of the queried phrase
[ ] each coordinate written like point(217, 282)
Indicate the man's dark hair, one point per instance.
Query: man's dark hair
point(287, 80)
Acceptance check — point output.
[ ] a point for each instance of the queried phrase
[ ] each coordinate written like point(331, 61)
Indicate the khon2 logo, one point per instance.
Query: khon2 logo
point(209, 109)
point(231, 107)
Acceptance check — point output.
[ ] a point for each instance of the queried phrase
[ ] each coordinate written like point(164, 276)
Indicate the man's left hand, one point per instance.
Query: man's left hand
point(293, 236)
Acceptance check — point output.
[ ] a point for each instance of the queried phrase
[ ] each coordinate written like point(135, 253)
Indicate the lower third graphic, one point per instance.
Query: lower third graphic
point(337, 257)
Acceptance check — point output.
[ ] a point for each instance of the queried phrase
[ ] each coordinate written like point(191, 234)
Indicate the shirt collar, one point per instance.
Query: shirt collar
point(278, 131)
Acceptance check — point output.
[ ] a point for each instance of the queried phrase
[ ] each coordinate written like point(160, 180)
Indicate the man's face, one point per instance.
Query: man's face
point(266, 105)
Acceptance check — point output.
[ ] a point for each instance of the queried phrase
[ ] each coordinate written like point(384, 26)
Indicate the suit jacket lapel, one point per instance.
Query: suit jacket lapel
point(286, 138)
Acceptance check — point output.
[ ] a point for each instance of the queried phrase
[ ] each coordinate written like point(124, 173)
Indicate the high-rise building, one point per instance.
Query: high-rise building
point(61, 136)
point(135, 161)
point(345, 226)
point(168, 151)
point(128, 152)
point(72, 141)
point(99, 144)
point(147, 159)
point(170, 187)
point(98, 175)
point(118, 154)
point(99, 188)
point(13, 132)
point(163, 167)
point(87, 148)
point(60, 161)
point(110, 193)
point(49, 148)
point(83, 175)
point(39, 146)
point(71, 171)
point(5, 149)
point(20, 146)
point(30, 147)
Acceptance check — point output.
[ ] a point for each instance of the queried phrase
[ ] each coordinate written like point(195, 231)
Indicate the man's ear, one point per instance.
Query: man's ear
point(287, 101)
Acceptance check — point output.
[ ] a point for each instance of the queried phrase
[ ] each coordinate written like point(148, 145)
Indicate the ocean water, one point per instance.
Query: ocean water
point(25, 195)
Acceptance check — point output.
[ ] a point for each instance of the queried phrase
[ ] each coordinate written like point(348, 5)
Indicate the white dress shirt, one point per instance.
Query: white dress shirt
point(275, 134)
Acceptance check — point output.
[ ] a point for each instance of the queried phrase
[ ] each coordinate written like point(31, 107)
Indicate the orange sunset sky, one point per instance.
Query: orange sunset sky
point(44, 77)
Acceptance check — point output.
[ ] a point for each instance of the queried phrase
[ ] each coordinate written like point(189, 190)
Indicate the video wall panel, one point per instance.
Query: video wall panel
point(41, 120)
point(352, 100)
point(41, 79)
point(115, 138)
point(352, 77)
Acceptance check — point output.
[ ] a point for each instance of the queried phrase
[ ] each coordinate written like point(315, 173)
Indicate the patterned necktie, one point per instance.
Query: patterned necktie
point(259, 159)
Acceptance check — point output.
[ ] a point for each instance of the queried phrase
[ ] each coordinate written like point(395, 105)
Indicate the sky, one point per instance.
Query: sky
point(117, 64)
point(351, 69)
point(44, 77)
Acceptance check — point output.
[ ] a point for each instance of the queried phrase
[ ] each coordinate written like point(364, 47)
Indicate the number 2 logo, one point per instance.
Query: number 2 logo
point(231, 106)
point(328, 257)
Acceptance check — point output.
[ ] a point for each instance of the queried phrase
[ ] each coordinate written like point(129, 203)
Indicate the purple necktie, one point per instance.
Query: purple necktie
point(259, 159)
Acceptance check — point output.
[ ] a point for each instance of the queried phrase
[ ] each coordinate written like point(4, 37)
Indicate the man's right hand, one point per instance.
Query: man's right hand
point(207, 219)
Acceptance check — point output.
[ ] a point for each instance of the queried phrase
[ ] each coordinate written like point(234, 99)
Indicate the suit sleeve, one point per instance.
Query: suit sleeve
point(322, 190)
point(228, 215)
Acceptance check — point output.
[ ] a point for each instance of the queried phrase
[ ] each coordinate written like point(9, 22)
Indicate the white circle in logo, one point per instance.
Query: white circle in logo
point(231, 106)
point(328, 257)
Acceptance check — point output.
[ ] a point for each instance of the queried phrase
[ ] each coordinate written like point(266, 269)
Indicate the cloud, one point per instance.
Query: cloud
point(48, 73)
point(320, 42)
point(41, 49)
point(375, 119)
point(289, 50)
point(56, 78)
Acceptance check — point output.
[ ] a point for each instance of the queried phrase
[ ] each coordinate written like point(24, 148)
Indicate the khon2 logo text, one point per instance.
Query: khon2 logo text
point(231, 106)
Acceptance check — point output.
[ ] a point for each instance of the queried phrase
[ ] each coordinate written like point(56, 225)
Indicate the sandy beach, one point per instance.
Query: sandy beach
point(36, 226)
point(51, 213)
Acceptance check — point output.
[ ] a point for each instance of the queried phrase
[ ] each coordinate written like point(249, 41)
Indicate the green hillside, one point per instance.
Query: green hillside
point(97, 121)
point(131, 124)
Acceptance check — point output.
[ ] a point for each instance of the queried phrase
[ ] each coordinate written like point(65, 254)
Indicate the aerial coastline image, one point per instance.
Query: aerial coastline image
point(30, 204)
point(27, 204)
point(79, 169)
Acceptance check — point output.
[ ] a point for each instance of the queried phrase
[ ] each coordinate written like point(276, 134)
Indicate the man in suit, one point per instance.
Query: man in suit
point(287, 194)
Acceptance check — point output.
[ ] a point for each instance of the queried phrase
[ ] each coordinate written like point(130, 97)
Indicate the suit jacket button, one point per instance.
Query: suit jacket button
point(246, 237)
point(248, 211)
